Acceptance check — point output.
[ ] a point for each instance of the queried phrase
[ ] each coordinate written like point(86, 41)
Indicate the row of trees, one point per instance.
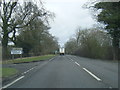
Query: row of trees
point(26, 25)
point(110, 16)
point(92, 43)
point(96, 43)
point(37, 42)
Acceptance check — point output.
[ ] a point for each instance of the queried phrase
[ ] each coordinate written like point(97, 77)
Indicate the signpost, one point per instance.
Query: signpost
point(16, 51)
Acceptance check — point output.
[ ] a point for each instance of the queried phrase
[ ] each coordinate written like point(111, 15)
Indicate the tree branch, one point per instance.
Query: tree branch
point(11, 9)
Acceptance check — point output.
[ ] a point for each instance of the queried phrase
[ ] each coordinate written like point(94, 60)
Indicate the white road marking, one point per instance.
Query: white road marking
point(92, 74)
point(77, 63)
point(28, 71)
point(13, 82)
point(34, 67)
point(52, 59)
point(88, 72)
point(70, 59)
point(110, 87)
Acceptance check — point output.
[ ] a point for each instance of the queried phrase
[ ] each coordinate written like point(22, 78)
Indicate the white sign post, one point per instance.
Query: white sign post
point(16, 51)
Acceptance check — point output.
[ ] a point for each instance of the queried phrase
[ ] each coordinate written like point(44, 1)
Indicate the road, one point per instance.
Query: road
point(69, 72)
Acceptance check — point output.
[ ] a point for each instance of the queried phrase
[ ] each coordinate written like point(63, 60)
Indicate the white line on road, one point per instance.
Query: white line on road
point(88, 71)
point(77, 63)
point(70, 59)
point(28, 71)
point(13, 82)
point(52, 59)
point(110, 87)
point(92, 74)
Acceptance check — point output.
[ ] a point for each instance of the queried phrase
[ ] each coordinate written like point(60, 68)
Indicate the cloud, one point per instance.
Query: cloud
point(69, 16)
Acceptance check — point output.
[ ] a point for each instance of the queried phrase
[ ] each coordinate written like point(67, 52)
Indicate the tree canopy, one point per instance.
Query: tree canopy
point(18, 19)
point(110, 16)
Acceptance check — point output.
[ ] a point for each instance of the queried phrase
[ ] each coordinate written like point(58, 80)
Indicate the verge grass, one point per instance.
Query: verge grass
point(7, 72)
point(28, 59)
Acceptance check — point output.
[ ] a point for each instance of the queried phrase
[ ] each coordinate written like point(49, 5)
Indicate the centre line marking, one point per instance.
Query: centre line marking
point(70, 59)
point(77, 63)
point(13, 82)
point(92, 74)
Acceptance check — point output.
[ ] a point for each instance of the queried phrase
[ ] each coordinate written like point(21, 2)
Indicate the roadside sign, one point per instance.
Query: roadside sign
point(17, 51)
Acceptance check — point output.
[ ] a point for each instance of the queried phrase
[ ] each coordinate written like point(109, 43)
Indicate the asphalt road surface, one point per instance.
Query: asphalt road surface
point(69, 72)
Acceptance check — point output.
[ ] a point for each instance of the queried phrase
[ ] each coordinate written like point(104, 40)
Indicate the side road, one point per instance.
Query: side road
point(22, 68)
point(67, 71)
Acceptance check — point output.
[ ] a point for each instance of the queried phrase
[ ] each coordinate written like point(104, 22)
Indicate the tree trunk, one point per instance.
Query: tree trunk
point(115, 53)
point(4, 53)
point(115, 48)
point(119, 54)
point(4, 48)
point(5, 41)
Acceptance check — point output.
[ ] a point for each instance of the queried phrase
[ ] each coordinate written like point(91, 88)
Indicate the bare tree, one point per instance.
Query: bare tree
point(15, 16)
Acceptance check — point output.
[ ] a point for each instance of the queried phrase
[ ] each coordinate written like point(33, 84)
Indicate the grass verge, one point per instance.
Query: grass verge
point(7, 72)
point(29, 59)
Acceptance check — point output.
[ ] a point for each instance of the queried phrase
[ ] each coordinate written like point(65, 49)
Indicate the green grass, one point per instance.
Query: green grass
point(7, 72)
point(0, 52)
point(29, 59)
point(0, 49)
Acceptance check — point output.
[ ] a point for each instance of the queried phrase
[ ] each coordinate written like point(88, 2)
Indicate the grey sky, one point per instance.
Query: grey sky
point(69, 16)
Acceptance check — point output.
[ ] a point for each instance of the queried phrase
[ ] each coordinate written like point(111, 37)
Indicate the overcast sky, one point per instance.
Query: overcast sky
point(69, 16)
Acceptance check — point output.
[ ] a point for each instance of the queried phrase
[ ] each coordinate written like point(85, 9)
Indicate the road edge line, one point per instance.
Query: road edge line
point(28, 70)
point(12, 82)
point(52, 58)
